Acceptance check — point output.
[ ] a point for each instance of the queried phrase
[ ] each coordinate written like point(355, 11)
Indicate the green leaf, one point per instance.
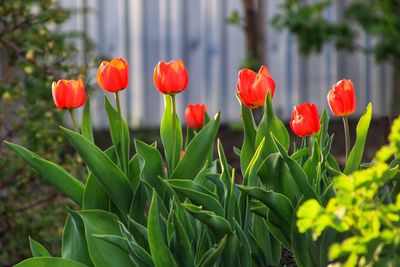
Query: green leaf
point(113, 180)
point(212, 255)
point(297, 172)
point(181, 244)
point(250, 176)
point(197, 152)
point(249, 137)
point(37, 249)
point(311, 165)
point(114, 240)
point(153, 166)
point(275, 175)
point(271, 124)
point(271, 252)
point(122, 145)
point(87, 130)
point(323, 134)
point(74, 245)
point(102, 253)
point(134, 173)
point(159, 251)
point(218, 225)
point(357, 151)
point(245, 250)
point(52, 173)
point(277, 203)
point(303, 247)
point(172, 153)
point(49, 262)
point(94, 196)
point(198, 194)
point(140, 254)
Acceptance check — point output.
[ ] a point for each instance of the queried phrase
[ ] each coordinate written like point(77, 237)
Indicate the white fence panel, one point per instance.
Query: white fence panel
point(146, 31)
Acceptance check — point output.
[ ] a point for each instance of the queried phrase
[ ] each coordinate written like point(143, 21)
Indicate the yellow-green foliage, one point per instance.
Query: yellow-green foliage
point(365, 211)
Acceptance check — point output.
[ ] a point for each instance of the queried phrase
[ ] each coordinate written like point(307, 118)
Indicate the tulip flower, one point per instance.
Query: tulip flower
point(342, 98)
point(194, 116)
point(305, 120)
point(69, 94)
point(253, 87)
point(113, 75)
point(342, 101)
point(170, 77)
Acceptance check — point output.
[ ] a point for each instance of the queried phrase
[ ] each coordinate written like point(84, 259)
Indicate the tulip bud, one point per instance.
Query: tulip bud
point(253, 87)
point(194, 116)
point(170, 77)
point(305, 120)
point(113, 75)
point(342, 98)
point(69, 93)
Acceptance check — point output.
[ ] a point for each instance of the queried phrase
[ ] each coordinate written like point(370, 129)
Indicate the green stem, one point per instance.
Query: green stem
point(346, 135)
point(74, 123)
point(122, 141)
point(174, 133)
point(308, 138)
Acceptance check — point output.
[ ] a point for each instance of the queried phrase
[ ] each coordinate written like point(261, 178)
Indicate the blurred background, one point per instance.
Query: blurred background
point(307, 45)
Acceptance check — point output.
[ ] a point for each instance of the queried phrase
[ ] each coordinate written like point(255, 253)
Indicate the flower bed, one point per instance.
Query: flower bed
point(183, 207)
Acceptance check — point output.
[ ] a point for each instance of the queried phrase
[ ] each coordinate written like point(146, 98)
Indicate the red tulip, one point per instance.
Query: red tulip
point(342, 98)
point(69, 93)
point(113, 75)
point(252, 87)
point(305, 121)
point(194, 116)
point(170, 77)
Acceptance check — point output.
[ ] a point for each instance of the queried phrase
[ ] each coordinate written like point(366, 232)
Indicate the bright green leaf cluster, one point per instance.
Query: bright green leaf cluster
point(365, 211)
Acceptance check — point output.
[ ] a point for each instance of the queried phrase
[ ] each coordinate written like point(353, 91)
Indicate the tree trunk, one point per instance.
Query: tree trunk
point(255, 28)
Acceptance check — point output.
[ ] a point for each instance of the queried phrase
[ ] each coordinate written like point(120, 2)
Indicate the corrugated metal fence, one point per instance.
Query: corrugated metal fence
point(146, 31)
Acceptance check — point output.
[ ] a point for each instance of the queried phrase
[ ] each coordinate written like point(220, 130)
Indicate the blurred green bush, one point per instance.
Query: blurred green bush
point(33, 53)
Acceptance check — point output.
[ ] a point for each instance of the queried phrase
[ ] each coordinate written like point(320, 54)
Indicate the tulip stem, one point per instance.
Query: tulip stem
point(346, 135)
point(118, 106)
point(172, 165)
point(74, 123)
point(122, 141)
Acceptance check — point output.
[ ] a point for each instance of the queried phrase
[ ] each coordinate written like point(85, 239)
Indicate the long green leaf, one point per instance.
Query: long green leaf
point(277, 203)
point(357, 151)
point(159, 251)
point(87, 130)
point(274, 174)
point(49, 262)
point(113, 180)
point(271, 124)
point(102, 253)
point(213, 254)
point(166, 132)
point(218, 225)
point(120, 134)
point(153, 166)
point(37, 249)
point(74, 245)
point(297, 172)
point(197, 152)
point(198, 194)
point(52, 173)
point(249, 137)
